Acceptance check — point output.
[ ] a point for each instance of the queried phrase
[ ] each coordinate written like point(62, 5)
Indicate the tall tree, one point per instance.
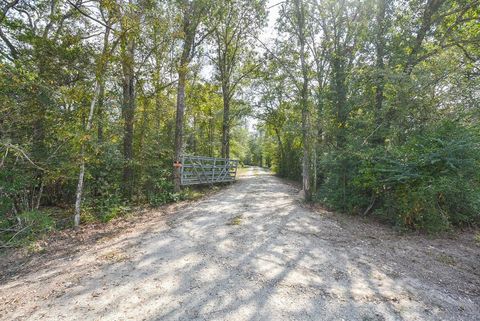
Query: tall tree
point(129, 29)
point(300, 24)
point(380, 41)
point(192, 14)
point(98, 91)
point(234, 27)
point(294, 23)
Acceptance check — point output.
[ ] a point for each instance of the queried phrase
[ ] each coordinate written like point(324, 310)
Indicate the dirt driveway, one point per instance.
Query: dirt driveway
point(252, 251)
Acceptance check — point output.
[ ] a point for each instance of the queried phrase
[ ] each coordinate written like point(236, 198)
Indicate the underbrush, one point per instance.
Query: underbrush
point(27, 227)
point(430, 182)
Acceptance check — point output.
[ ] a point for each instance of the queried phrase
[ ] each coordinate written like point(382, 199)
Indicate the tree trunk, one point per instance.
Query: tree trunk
point(81, 174)
point(189, 29)
point(211, 132)
point(141, 157)
point(380, 69)
point(182, 74)
point(279, 140)
point(128, 113)
point(226, 123)
point(427, 21)
point(98, 96)
point(281, 156)
point(39, 148)
point(100, 120)
point(340, 100)
point(306, 162)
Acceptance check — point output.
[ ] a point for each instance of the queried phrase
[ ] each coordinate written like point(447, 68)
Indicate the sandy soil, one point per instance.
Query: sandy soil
point(252, 251)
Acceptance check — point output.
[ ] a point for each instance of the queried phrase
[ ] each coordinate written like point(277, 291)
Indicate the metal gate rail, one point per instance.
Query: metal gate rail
point(207, 170)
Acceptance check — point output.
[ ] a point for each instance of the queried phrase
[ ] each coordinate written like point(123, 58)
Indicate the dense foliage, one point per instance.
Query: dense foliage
point(392, 108)
point(430, 181)
point(88, 99)
point(373, 104)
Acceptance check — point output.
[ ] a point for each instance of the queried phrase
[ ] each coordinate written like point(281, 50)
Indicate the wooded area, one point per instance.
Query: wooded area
point(372, 104)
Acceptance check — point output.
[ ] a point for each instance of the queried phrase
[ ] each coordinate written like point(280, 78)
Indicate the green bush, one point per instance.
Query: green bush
point(113, 212)
point(290, 165)
point(158, 186)
point(337, 188)
point(430, 182)
point(27, 227)
point(161, 193)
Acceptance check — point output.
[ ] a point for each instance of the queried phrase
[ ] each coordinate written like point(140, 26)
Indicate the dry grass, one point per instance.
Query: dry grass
point(237, 220)
point(114, 256)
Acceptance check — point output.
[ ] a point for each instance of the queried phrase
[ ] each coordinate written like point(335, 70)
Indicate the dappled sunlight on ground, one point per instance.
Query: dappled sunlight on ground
point(251, 252)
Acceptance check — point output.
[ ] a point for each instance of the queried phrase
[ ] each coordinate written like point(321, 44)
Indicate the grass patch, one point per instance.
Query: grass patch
point(477, 238)
point(446, 259)
point(29, 226)
point(114, 256)
point(197, 192)
point(237, 220)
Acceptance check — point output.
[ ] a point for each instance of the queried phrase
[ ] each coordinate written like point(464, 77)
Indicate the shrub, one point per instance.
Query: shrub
point(26, 227)
point(337, 188)
point(430, 182)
